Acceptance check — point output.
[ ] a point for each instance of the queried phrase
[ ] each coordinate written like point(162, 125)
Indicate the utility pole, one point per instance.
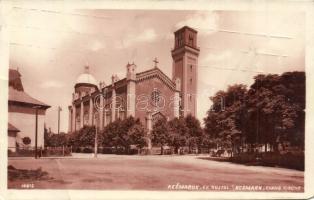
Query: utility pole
point(96, 136)
point(96, 142)
point(36, 128)
point(59, 110)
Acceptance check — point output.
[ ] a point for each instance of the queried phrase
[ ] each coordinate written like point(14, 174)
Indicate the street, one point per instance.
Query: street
point(155, 173)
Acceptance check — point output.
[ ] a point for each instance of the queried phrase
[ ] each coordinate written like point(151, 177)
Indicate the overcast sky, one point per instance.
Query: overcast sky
point(51, 47)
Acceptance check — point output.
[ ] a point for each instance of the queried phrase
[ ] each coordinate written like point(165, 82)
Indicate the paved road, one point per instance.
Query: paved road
point(156, 173)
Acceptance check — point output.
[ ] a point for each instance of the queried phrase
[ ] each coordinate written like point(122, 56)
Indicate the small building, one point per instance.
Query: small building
point(12, 133)
point(22, 109)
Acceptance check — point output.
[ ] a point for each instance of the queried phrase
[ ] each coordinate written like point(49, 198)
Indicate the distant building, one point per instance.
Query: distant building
point(147, 95)
point(22, 115)
point(12, 133)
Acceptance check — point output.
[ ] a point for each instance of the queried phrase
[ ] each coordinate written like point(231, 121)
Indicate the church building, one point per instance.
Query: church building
point(148, 95)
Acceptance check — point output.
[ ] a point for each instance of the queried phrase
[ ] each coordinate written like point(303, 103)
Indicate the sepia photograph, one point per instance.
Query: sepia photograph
point(156, 100)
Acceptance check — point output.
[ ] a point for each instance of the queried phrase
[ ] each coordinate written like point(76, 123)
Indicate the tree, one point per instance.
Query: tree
point(26, 140)
point(111, 134)
point(123, 133)
point(137, 134)
point(178, 133)
point(269, 113)
point(85, 137)
point(160, 134)
point(57, 140)
point(222, 123)
point(278, 103)
point(194, 132)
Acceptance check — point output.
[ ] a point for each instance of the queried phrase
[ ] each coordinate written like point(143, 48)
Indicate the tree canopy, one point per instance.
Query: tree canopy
point(271, 111)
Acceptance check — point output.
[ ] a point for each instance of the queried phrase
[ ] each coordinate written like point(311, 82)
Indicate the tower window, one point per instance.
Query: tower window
point(191, 67)
point(190, 80)
point(191, 39)
point(180, 39)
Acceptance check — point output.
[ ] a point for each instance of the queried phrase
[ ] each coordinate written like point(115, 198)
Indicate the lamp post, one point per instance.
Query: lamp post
point(59, 110)
point(36, 128)
point(96, 137)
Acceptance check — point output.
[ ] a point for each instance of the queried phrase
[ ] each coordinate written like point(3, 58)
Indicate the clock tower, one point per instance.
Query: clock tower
point(185, 62)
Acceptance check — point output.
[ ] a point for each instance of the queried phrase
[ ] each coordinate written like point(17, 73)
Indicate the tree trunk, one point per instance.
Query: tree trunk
point(283, 146)
point(265, 147)
point(275, 146)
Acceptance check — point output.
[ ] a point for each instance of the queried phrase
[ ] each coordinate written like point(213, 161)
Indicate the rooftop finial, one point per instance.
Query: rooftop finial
point(156, 62)
point(86, 69)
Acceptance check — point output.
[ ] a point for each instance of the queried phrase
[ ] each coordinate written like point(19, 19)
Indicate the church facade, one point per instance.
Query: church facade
point(148, 95)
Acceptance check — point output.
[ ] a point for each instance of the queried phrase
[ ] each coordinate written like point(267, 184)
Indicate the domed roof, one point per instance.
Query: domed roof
point(86, 78)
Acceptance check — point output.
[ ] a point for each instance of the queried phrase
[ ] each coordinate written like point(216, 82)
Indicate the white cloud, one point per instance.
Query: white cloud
point(205, 21)
point(51, 84)
point(147, 35)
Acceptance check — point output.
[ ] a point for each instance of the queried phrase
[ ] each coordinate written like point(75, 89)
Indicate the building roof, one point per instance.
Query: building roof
point(150, 73)
point(12, 128)
point(156, 72)
point(23, 97)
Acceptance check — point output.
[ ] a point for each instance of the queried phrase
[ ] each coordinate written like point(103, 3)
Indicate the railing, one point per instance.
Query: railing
point(67, 151)
point(41, 152)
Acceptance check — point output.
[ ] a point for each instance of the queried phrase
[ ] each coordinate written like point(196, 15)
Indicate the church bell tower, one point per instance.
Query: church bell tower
point(185, 62)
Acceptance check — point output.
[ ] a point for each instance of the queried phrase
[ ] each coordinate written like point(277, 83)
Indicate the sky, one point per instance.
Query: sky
point(51, 47)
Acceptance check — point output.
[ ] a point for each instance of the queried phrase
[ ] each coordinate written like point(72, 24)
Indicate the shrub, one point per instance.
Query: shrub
point(26, 140)
point(88, 150)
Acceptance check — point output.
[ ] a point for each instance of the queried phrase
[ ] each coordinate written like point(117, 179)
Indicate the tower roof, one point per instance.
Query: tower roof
point(185, 27)
point(86, 78)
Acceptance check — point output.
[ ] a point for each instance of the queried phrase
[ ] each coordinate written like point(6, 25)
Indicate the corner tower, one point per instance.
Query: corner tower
point(185, 62)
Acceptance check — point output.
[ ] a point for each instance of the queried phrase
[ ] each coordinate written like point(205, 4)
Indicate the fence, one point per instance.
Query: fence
point(41, 152)
point(119, 150)
point(291, 160)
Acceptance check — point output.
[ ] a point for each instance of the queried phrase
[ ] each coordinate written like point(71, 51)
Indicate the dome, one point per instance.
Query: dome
point(86, 78)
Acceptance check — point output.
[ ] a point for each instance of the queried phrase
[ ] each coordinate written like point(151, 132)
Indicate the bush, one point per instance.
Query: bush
point(88, 150)
point(107, 150)
point(287, 160)
point(26, 140)
point(57, 151)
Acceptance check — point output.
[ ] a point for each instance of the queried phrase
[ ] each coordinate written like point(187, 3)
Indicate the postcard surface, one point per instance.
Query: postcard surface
point(156, 100)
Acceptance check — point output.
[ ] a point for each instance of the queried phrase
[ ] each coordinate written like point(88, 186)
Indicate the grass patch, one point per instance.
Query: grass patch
point(25, 174)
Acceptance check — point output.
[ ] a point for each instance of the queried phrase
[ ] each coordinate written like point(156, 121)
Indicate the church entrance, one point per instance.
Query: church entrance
point(157, 116)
